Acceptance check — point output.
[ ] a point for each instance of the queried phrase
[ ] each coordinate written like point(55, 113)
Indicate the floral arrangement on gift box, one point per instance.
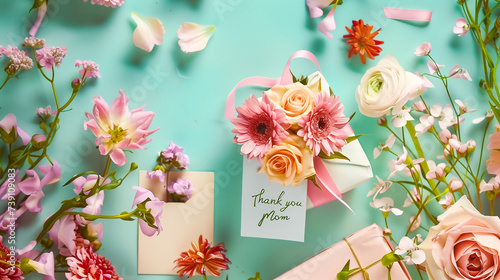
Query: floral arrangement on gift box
point(289, 126)
point(69, 238)
point(462, 243)
point(172, 157)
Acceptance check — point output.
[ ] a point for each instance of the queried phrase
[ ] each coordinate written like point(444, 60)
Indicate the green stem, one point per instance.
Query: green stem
point(425, 167)
point(5, 82)
point(204, 276)
point(106, 168)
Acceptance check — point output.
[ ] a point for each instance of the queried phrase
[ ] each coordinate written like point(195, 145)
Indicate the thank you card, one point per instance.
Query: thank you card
point(269, 209)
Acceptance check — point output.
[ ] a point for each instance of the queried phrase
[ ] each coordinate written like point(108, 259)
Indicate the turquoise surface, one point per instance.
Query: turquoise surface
point(188, 91)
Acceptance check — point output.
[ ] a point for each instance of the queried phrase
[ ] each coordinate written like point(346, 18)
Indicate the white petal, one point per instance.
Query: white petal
point(194, 37)
point(396, 211)
point(418, 256)
point(149, 32)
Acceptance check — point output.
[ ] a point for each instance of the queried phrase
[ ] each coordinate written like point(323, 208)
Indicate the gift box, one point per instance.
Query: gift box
point(367, 246)
point(182, 222)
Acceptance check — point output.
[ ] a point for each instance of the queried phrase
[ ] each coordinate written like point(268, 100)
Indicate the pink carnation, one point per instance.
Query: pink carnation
point(51, 56)
point(259, 126)
point(89, 68)
point(322, 127)
point(88, 265)
point(107, 3)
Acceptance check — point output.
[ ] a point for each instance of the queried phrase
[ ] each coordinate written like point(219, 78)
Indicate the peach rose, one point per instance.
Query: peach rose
point(297, 99)
point(464, 245)
point(289, 163)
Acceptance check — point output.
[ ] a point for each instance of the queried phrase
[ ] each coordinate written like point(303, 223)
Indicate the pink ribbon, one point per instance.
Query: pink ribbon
point(404, 14)
point(323, 178)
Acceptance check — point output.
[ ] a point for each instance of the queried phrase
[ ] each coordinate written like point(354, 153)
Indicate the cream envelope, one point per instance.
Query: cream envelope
point(182, 222)
point(348, 174)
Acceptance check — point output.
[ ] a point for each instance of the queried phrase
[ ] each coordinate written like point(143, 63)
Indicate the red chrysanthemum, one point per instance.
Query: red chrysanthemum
point(7, 271)
point(322, 127)
point(361, 40)
point(87, 265)
point(259, 126)
point(202, 259)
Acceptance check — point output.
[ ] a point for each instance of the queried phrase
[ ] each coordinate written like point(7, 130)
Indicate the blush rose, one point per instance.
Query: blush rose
point(297, 99)
point(289, 163)
point(464, 245)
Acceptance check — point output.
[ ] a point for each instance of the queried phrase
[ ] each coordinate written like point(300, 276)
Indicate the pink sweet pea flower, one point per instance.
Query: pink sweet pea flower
point(156, 207)
point(94, 204)
point(446, 200)
point(426, 122)
point(385, 204)
point(384, 146)
point(455, 184)
point(401, 117)
point(380, 187)
point(419, 106)
point(117, 128)
point(9, 130)
point(459, 73)
point(41, 14)
point(423, 49)
point(44, 265)
point(464, 108)
point(433, 67)
point(316, 7)
point(461, 27)
point(413, 197)
point(426, 83)
point(86, 184)
point(52, 173)
point(327, 24)
point(63, 234)
point(435, 171)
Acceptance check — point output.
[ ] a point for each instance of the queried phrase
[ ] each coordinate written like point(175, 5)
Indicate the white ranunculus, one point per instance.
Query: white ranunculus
point(385, 86)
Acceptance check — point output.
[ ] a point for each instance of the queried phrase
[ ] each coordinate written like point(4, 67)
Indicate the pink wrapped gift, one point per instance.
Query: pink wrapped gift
point(369, 245)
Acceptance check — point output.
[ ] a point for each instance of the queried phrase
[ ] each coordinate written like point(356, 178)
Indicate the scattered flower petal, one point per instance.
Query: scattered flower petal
point(149, 32)
point(194, 37)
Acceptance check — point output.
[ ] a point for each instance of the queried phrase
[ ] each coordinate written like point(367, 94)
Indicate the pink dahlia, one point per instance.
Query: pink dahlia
point(117, 128)
point(493, 163)
point(322, 127)
point(259, 126)
point(88, 265)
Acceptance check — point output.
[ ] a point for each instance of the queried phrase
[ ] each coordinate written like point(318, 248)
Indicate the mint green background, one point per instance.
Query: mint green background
point(187, 92)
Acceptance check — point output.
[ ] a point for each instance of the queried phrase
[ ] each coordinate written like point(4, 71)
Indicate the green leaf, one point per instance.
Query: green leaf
point(257, 276)
point(390, 258)
point(79, 175)
point(313, 180)
point(496, 112)
point(43, 126)
point(352, 116)
point(36, 4)
point(331, 92)
point(352, 138)
point(113, 185)
point(335, 155)
point(294, 79)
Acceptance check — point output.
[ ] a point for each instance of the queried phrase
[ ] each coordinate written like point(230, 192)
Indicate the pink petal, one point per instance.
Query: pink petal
point(327, 24)
point(24, 136)
point(316, 7)
point(52, 173)
point(119, 109)
point(118, 157)
point(94, 204)
point(433, 67)
point(149, 32)
point(194, 37)
point(41, 14)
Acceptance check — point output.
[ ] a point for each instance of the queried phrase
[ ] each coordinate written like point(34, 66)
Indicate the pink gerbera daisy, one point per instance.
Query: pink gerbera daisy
point(493, 163)
point(258, 126)
point(322, 127)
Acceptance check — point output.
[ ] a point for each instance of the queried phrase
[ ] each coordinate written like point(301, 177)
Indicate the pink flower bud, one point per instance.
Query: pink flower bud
point(419, 106)
point(455, 184)
point(444, 135)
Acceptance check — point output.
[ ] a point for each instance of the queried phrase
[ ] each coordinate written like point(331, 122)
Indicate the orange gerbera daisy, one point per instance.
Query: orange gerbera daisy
point(202, 259)
point(361, 40)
